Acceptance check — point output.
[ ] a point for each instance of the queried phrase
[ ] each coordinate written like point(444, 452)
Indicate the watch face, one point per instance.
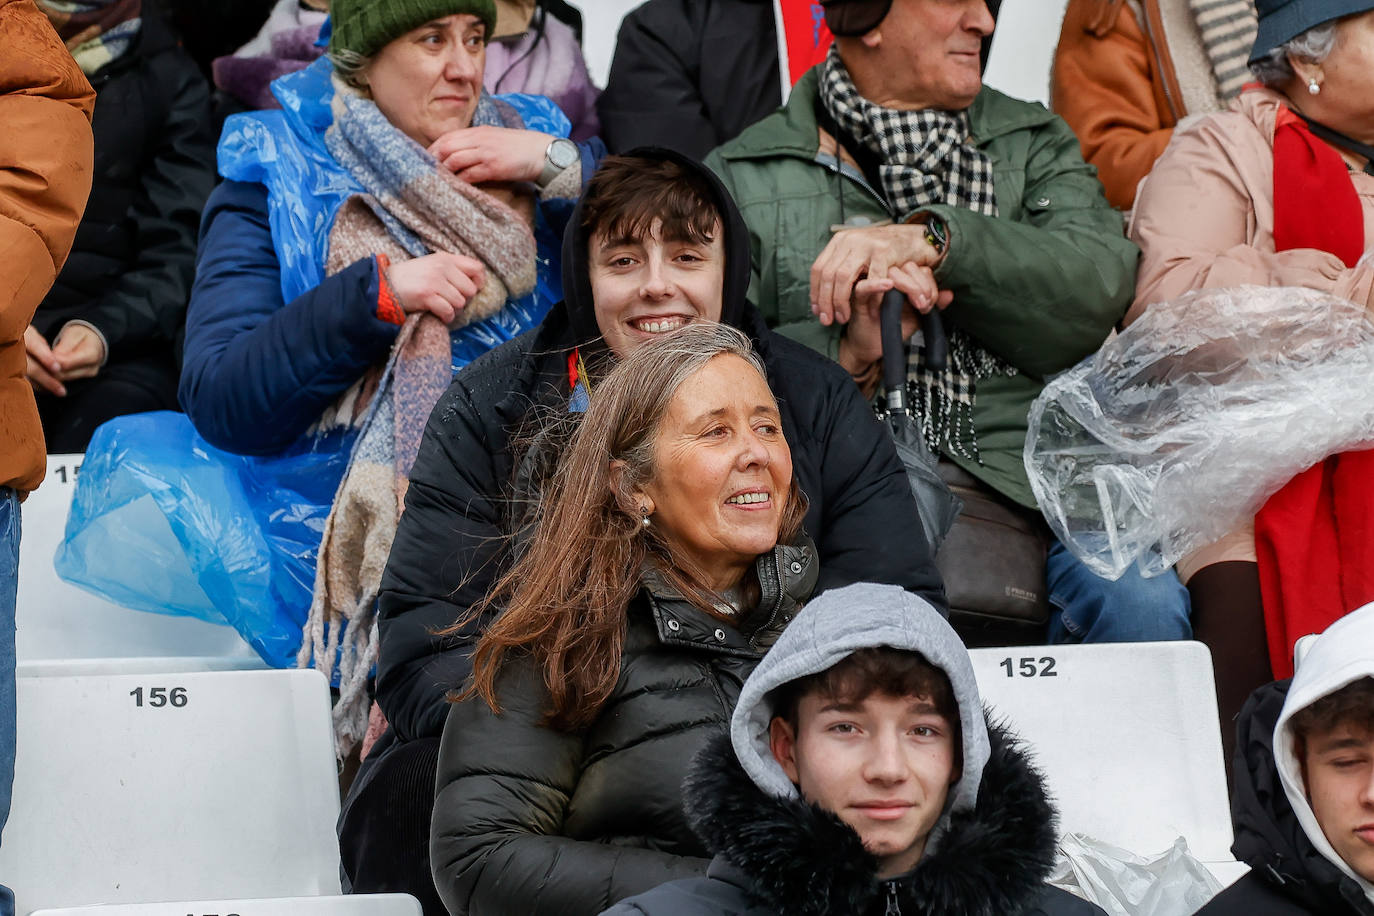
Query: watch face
point(563, 153)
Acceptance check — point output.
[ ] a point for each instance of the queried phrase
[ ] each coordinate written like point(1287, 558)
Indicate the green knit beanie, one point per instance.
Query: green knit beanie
point(364, 26)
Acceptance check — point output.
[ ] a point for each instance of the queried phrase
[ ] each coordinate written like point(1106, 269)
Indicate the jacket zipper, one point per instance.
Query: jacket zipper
point(1154, 33)
point(893, 909)
point(778, 598)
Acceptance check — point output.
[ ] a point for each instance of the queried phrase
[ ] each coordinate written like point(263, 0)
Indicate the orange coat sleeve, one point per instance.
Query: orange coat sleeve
point(46, 155)
point(46, 163)
point(1105, 86)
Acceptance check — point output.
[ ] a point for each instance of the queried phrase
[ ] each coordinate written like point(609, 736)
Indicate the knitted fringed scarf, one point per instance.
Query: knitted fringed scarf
point(412, 207)
point(1227, 28)
point(95, 31)
point(927, 159)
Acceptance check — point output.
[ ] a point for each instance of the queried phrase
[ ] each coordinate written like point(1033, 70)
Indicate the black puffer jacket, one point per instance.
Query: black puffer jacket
point(785, 857)
point(449, 547)
point(1288, 876)
point(539, 822)
point(131, 265)
point(690, 74)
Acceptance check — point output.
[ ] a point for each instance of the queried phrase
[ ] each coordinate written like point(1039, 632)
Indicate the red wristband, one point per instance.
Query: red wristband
point(388, 306)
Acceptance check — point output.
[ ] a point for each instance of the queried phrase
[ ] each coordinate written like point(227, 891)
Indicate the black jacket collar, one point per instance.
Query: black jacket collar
point(786, 576)
point(804, 861)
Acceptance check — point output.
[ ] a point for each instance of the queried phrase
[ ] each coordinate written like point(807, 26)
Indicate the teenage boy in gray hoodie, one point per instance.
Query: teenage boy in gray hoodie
point(861, 777)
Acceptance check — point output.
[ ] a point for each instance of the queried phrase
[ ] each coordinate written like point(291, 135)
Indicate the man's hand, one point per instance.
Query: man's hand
point(80, 351)
point(487, 154)
point(854, 254)
point(441, 283)
point(44, 370)
point(862, 343)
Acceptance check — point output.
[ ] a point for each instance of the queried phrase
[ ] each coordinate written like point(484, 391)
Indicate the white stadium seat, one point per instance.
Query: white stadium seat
point(147, 787)
point(358, 905)
point(57, 623)
point(600, 25)
point(1023, 48)
point(1127, 736)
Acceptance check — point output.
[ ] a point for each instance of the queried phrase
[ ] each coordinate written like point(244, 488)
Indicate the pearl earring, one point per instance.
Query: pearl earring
point(1313, 86)
point(644, 511)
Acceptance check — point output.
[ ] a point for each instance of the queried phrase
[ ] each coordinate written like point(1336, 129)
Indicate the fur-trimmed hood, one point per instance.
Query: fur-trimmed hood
point(839, 623)
point(800, 859)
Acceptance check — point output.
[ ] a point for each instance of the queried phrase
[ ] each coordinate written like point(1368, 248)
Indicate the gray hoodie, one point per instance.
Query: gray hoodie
point(834, 627)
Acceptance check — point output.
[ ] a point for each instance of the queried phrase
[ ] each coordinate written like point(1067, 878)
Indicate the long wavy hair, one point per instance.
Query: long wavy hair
point(566, 596)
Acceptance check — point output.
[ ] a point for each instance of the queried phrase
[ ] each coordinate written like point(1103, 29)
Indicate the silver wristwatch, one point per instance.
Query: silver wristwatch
point(561, 154)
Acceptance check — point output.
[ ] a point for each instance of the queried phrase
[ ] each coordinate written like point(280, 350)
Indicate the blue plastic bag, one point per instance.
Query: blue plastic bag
point(163, 521)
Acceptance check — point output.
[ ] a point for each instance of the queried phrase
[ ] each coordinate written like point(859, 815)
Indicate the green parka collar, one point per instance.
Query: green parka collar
point(793, 130)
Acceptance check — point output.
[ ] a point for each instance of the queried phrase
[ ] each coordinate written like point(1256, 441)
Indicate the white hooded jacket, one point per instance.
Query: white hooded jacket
point(1341, 655)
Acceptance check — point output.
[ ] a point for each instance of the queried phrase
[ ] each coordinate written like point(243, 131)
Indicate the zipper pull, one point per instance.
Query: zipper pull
point(892, 908)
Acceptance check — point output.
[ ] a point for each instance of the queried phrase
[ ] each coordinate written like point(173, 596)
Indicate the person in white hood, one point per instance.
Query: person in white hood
point(1303, 804)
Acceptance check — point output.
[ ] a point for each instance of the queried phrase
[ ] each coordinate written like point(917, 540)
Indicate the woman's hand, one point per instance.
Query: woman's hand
point(44, 370)
point(440, 283)
point(485, 154)
point(80, 351)
point(862, 343)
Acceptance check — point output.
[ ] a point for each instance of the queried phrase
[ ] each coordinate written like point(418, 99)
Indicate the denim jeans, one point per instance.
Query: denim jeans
point(9, 579)
point(1084, 607)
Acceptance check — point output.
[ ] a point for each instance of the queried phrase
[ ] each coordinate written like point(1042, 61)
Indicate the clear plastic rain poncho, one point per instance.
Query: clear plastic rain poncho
point(1179, 428)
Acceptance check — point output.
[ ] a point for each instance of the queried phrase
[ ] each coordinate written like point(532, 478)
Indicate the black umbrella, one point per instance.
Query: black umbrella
point(937, 505)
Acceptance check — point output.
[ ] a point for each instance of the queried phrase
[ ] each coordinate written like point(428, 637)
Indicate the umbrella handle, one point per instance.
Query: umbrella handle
point(936, 345)
point(894, 349)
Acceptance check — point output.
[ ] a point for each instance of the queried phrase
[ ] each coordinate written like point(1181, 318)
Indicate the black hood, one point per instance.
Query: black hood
point(1269, 837)
point(577, 287)
point(804, 861)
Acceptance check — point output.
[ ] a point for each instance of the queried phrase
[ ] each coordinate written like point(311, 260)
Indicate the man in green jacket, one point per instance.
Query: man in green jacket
point(891, 166)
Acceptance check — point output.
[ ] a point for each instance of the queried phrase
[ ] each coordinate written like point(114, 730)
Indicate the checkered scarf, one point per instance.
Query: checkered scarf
point(96, 32)
point(926, 159)
point(925, 154)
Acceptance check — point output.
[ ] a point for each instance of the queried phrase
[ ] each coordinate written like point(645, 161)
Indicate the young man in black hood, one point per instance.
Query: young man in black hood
point(655, 243)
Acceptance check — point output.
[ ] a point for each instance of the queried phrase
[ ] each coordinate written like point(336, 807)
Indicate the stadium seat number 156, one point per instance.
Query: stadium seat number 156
point(158, 697)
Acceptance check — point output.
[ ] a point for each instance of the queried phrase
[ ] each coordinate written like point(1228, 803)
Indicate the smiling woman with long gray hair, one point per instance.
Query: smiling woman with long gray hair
point(667, 557)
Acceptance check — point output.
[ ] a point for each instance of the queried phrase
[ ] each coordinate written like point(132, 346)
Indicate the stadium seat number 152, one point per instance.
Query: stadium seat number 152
point(1028, 666)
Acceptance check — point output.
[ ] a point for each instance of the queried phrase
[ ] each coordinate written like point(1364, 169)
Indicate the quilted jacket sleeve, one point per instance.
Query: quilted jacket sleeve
point(445, 557)
point(502, 791)
point(46, 161)
point(258, 371)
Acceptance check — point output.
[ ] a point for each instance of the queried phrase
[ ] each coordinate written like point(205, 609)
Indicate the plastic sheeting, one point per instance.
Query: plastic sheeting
point(284, 150)
point(1125, 884)
point(162, 521)
point(1180, 427)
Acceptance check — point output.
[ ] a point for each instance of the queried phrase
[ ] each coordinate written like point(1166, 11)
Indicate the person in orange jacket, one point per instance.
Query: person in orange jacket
point(46, 160)
point(1126, 72)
